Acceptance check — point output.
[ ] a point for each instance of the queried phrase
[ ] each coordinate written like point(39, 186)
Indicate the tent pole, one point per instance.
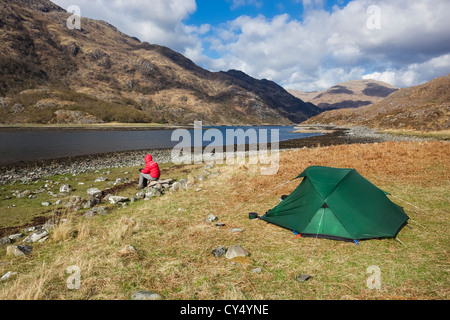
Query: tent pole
point(317, 234)
point(401, 242)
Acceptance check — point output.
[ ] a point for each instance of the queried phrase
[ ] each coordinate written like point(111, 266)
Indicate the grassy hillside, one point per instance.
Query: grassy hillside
point(425, 107)
point(173, 241)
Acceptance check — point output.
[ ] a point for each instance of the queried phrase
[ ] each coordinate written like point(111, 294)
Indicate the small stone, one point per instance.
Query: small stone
point(236, 251)
point(19, 250)
point(152, 192)
point(211, 218)
point(16, 236)
point(96, 210)
point(7, 275)
point(117, 199)
point(100, 179)
point(24, 194)
point(256, 270)
point(45, 203)
point(4, 241)
point(145, 295)
point(94, 192)
point(35, 236)
point(220, 251)
point(65, 188)
point(127, 250)
point(237, 230)
point(303, 277)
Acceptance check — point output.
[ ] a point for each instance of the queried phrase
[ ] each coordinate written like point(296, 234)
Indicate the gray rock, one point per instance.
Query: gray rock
point(117, 199)
point(16, 236)
point(175, 186)
point(65, 188)
point(220, 251)
point(146, 295)
point(35, 236)
point(46, 203)
point(4, 241)
point(7, 275)
point(140, 195)
point(19, 250)
point(236, 251)
point(151, 192)
point(237, 230)
point(256, 270)
point(91, 202)
point(23, 194)
point(303, 277)
point(18, 108)
point(211, 218)
point(94, 192)
point(48, 225)
point(96, 210)
point(100, 179)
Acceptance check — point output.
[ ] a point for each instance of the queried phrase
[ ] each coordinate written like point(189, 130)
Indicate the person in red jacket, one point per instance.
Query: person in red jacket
point(150, 172)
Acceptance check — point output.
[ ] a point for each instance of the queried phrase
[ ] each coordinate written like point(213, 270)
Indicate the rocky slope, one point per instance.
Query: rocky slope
point(348, 94)
point(424, 107)
point(105, 75)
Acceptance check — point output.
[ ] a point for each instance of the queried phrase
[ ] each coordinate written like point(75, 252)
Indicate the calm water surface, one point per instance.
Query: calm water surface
point(37, 145)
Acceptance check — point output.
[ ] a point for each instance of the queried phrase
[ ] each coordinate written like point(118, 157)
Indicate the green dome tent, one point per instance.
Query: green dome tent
point(338, 204)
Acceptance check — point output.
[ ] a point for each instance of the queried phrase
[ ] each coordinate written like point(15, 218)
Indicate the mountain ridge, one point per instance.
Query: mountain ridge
point(104, 74)
point(425, 107)
point(347, 94)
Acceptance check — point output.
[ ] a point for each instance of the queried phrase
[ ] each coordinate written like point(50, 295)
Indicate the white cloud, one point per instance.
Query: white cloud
point(414, 74)
point(155, 21)
point(329, 47)
point(316, 51)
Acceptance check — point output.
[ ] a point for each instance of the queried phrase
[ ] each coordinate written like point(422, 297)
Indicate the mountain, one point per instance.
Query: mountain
point(424, 107)
point(52, 74)
point(348, 94)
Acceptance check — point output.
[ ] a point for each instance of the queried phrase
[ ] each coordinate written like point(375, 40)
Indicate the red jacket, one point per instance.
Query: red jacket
point(151, 167)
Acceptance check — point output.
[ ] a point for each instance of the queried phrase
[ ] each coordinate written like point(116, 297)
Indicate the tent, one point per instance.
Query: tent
point(338, 204)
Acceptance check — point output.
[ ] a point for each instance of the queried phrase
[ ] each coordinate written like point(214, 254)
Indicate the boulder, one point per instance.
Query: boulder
point(65, 188)
point(16, 236)
point(236, 251)
point(20, 250)
point(35, 236)
point(94, 192)
point(117, 199)
point(152, 192)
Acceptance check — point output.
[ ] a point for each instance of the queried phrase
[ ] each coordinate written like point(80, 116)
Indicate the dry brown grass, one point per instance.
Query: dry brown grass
point(173, 241)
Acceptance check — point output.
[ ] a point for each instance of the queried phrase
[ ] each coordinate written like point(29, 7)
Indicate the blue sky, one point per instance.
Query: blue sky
point(301, 44)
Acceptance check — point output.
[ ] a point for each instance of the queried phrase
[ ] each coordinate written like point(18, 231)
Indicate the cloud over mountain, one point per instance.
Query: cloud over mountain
point(401, 42)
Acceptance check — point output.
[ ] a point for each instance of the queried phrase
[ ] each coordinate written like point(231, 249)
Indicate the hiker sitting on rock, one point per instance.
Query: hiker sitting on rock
point(150, 172)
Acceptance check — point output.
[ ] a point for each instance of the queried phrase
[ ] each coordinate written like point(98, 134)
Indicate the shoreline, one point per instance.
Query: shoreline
point(34, 170)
